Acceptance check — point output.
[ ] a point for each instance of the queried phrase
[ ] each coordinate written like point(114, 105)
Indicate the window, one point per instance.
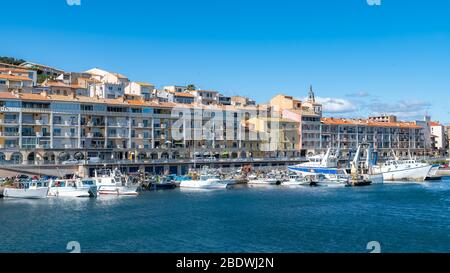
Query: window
point(2, 82)
point(87, 107)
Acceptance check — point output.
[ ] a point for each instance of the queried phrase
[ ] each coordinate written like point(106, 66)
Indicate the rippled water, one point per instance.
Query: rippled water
point(402, 218)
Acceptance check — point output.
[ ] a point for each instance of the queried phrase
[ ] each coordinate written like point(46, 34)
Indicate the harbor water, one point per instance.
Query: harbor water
point(413, 217)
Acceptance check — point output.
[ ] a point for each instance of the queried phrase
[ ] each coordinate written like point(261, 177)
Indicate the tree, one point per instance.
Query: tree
point(191, 87)
point(11, 60)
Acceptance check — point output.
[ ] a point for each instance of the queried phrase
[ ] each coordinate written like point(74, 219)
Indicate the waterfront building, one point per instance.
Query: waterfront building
point(404, 138)
point(308, 115)
point(276, 135)
point(50, 129)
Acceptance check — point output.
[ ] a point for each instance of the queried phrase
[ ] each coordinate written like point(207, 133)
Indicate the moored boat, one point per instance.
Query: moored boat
point(112, 182)
point(27, 190)
point(403, 170)
point(206, 181)
point(324, 165)
point(71, 188)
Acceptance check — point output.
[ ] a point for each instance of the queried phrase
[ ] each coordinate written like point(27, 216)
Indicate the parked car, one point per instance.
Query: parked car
point(71, 162)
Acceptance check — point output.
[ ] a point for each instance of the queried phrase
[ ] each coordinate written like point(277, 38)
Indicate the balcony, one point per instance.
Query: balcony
point(38, 134)
point(140, 125)
point(10, 121)
point(40, 122)
point(89, 135)
point(9, 134)
point(140, 136)
point(141, 146)
point(117, 136)
point(1, 146)
point(69, 123)
point(68, 134)
point(119, 146)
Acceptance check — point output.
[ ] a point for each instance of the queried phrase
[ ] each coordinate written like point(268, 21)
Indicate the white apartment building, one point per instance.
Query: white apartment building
point(206, 97)
point(175, 88)
point(438, 135)
point(109, 85)
point(141, 89)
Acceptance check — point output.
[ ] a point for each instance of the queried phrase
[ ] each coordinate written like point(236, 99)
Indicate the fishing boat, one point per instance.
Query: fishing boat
point(269, 180)
point(325, 165)
point(34, 189)
point(294, 179)
point(72, 188)
point(112, 182)
point(403, 170)
point(206, 181)
point(162, 183)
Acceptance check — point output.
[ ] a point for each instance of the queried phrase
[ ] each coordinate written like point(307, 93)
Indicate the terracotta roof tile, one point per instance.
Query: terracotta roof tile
point(365, 122)
point(13, 77)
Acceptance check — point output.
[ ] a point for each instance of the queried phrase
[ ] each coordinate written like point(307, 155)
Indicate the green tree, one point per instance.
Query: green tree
point(11, 60)
point(191, 87)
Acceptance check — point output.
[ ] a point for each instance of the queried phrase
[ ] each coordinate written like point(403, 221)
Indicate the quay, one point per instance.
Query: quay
point(177, 167)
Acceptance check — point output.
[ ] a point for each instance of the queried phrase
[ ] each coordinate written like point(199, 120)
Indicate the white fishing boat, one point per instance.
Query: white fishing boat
point(297, 180)
point(27, 190)
point(206, 181)
point(269, 180)
point(325, 165)
point(403, 170)
point(72, 188)
point(112, 182)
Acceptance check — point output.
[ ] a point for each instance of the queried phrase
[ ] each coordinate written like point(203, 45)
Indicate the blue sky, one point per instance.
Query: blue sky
point(360, 59)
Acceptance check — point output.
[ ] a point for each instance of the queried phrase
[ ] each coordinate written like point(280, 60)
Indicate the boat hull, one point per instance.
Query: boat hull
point(40, 193)
point(411, 174)
point(112, 190)
point(63, 192)
point(192, 184)
point(264, 182)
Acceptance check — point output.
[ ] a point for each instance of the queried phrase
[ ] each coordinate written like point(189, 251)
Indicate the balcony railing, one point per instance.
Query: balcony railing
point(9, 134)
point(10, 121)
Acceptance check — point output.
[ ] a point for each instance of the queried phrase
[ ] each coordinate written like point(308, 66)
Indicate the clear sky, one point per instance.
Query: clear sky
point(360, 59)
